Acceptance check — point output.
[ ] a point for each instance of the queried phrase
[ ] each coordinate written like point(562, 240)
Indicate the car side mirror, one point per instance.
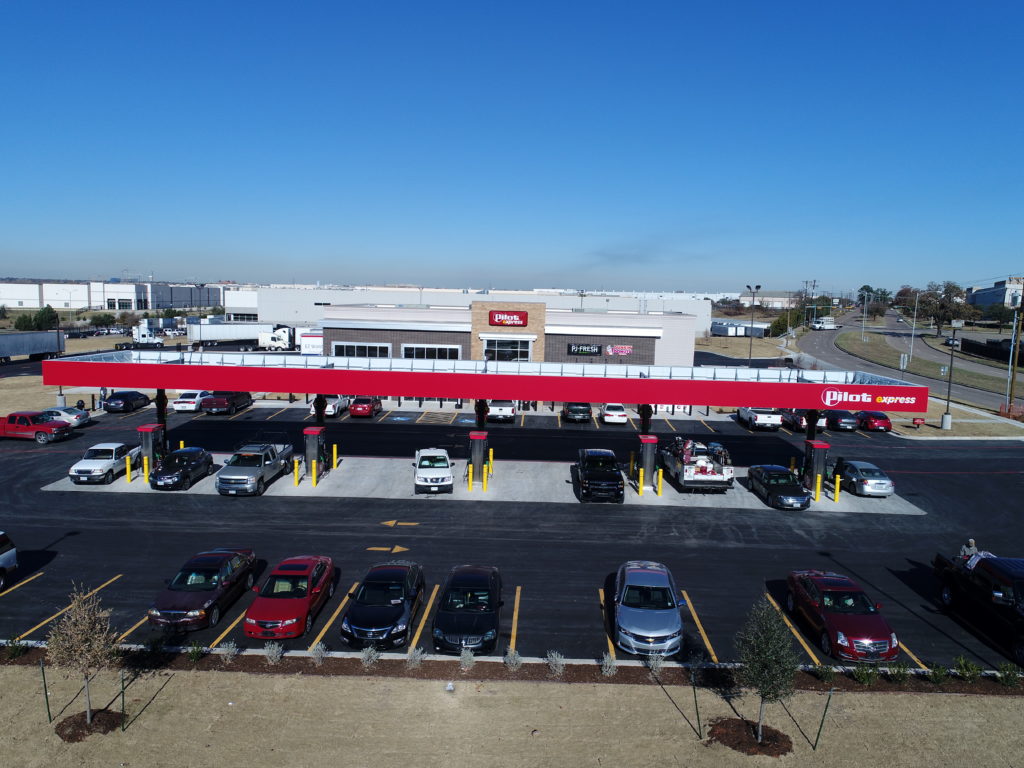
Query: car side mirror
point(255, 588)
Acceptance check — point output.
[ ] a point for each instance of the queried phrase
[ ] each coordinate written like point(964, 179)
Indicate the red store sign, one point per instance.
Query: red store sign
point(506, 317)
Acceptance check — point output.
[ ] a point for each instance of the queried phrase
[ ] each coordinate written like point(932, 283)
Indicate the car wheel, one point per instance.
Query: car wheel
point(209, 469)
point(826, 644)
point(330, 591)
point(260, 487)
point(773, 502)
point(231, 410)
point(946, 596)
point(109, 477)
point(309, 623)
point(146, 401)
point(186, 483)
point(790, 603)
point(3, 580)
point(42, 438)
point(214, 616)
point(249, 580)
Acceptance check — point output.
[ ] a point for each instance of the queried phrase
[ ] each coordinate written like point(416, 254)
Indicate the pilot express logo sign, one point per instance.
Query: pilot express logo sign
point(506, 317)
point(834, 397)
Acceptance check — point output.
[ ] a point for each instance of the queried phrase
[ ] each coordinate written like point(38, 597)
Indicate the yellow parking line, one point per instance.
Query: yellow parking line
point(386, 414)
point(559, 417)
point(604, 617)
point(700, 627)
point(865, 434)
point(420, 418)
point(275, 413)
point(334, 616)
point(786, 431)
point(347, 414)
point(515, 620)
point(227, 631)
point(135, 626)
point(793, 629)
point(596, 422)
point(454, 414)
point(22, 583)
point(62, 611)
point(669, 423)
point(912, 656)
point(197, 416)
point(522, 420)
point(632, 423)
point(423, 619)
point(232, 418)
point(711, 429)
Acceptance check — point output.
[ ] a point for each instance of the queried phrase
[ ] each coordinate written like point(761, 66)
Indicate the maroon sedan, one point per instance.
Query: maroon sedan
point(203, 589)
point(848, 624)
point(291, 598)
point(365, 405)
point(873, 421)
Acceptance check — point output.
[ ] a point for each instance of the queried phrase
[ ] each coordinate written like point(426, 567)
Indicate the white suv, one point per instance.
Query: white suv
point(8, 560)
point(432, 471)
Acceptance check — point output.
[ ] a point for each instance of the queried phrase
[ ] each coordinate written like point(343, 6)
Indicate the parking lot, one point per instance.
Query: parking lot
point(557, 556)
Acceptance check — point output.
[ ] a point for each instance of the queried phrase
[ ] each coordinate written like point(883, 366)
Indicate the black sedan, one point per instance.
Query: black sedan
point(203, 589)
point(779, 487)
point(125, 400)
point(181, 468)
point(384, 606)
point(841, 420)
point(469, 613)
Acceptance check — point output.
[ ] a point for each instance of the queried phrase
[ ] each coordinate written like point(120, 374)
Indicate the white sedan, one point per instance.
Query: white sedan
point(336, 404)
point(73, 416)
point(614, 413)
point(189, 402)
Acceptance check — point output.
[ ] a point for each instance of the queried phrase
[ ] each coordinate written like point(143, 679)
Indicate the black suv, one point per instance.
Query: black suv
point(469, 613)
point(384, 606)
point(600, 475)
point(577, 412)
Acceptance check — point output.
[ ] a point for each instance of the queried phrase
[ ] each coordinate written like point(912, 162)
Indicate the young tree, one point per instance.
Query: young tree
point(3, 311)
point(1000, 313)
point(102, 320)
point(170, 313)
point(25, 322)
point(769, 661)
point(82, 642)
point(47, 318)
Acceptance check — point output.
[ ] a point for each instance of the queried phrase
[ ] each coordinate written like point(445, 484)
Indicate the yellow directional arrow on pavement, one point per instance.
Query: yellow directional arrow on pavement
point(393, 523)
point(393, 550)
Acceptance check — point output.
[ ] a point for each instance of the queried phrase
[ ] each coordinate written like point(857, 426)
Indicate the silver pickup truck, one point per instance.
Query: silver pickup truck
point(252, 467)
point(103, 462)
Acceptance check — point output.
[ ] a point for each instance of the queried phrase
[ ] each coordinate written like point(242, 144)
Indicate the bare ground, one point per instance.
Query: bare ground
point(186, 718)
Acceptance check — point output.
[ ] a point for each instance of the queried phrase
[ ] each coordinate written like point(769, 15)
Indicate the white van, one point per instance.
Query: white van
point(823, 324)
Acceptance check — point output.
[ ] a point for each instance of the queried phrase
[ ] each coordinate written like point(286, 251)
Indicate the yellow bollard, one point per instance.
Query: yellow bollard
point(487, 471)
point(792, 463)
point(469, 486)
point(296, 471)
point(640, 485)
point(661, 473)
point(145, 468)
point(314, 473)
point(632, 458)
point(490, 461)
point(334, 455)
point(837, 486)
point(181, 444)
point(127, 469)
point(817, 487)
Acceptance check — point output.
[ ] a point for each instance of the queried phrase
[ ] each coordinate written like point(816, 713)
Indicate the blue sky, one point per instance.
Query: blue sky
point(662, 146)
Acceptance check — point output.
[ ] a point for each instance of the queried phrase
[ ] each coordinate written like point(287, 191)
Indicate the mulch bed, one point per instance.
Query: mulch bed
point(741, 735)
point(74, 728)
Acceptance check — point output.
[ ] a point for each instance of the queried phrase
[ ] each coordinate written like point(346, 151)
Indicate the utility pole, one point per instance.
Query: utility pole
point(1014, 356)
point(947, 417)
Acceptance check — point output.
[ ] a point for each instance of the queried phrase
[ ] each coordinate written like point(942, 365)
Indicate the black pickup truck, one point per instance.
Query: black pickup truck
point(988, 592)
point(600, 475)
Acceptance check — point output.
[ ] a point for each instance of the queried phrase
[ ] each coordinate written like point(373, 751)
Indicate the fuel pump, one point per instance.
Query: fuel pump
point(153, 438)
point(477, 454)
point(815, 462)
point(648, 458)
point(316, 450)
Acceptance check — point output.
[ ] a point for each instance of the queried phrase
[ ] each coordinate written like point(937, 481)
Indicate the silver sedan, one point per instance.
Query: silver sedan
point(647, 605)
point(73, 416)
point(865, 479)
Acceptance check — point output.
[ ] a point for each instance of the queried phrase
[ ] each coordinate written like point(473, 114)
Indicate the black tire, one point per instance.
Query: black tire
point(209, 469)
point(790, 604)
point(947, 598)
point(309, 624)
point(249, 580)
point(214, 616)
point(826, 644)
point(330, 590)
point(231, 410)
point(42, 438)
point(621, 499)
point(146, 401)
point(186, 483)
point(3, 580)
point(109, 477)
point(260, 487)
point(773, 502)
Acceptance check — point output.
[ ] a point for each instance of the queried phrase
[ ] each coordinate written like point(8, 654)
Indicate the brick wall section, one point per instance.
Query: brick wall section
point(643, 349)
point(480, 313)
point(395, 338)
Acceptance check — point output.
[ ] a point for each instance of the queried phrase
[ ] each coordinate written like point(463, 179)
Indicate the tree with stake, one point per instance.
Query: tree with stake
point(769, 661)
point(82, 642)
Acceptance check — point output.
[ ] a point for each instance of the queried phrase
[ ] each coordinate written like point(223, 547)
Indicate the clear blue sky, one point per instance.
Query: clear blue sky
point(663, 146)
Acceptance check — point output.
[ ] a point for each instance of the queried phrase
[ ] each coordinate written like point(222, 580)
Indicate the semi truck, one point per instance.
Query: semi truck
point(827, 323)
point(248, 337)
point(143, 337)
point(35, 345)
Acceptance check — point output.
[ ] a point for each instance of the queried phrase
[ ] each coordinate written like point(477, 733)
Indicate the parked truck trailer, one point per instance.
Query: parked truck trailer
point(36, 345)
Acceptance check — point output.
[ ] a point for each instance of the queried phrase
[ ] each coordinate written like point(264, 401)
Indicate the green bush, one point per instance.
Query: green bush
point(865, 674)
point(1009, 674)
point(899, 672)
point(825, 672)
point(16, 648)
point(196, 651)
point(938, 673)
point(966, 669)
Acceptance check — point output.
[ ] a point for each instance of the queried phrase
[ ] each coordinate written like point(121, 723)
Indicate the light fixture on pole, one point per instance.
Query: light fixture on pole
point(753, 298)
point(947, 418)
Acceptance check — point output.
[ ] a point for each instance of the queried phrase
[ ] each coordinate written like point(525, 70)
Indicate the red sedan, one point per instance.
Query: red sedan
point(291, 597)
point(873, 421)
point(365, 405)
point(850, 627)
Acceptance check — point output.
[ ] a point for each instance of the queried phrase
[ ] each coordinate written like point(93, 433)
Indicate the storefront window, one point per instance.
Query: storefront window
point(512, 350)
point(362, 350)
point(431, 352)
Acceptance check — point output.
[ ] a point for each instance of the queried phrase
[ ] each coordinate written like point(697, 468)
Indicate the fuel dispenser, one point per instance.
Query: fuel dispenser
point(316, 451)
point(648, 459)
point(477, 454)
point(153, 438)
point(815, 462)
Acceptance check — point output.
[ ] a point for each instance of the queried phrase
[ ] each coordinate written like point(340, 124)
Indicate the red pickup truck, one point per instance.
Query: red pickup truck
point(33, 425)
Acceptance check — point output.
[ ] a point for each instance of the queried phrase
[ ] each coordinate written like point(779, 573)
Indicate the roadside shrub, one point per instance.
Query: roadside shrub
point(556, 663)
point(195, 651)
point(16, 648)
point(228, 652)
point(1009, 674)
point(654, 665)
point(865, 674)
point(899, 672)
point(609, 666)
point(273, 651)
point(513, 661)
point(318, 653)
point(938, 673)
point(966, 669)
point(466, 660)
point(415, 658)
point(369, 656)
point(825, 672)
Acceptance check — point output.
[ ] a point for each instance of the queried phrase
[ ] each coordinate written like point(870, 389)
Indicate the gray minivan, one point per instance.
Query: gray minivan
point(8, 560)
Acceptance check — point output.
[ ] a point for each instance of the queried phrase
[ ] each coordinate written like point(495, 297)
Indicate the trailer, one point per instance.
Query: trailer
point(214, 334)
point(36, 345)
point(698, 466)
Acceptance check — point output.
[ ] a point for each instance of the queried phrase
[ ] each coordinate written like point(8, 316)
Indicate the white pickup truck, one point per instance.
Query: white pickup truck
point(698, 466)
point(760, 418)
point(501, 410)
point(432, 471)
point(103, 462)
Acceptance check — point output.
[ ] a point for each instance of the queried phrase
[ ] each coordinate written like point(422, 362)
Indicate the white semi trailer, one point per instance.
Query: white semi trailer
point(35, 345)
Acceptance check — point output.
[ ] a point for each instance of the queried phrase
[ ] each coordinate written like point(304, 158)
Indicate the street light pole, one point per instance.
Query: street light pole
point(913, 330)
point(864, 316)
point(947, 417)
point(1014, 357)
point(753, 299)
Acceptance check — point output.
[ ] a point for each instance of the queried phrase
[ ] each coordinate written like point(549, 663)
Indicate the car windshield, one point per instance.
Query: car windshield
point(379, 593)
point(362, 401)
point(433, 462)
point(468, 600)
point(502, 403)
point(174, 462)
point(579, 406)
point(847, 602)
point(780, 478)
point(285, 585)
point(614, 408)
point(874, 472)
point(99, 454)
point(195, 580)
point(245, 460)
point(648, 598)
point(601, 462)
point(188, 396)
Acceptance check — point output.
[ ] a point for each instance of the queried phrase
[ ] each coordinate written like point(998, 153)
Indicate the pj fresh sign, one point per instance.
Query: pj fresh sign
point(506, 317)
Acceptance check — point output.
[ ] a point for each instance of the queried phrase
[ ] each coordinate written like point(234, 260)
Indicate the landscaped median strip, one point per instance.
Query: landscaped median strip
point(330, 621)
point(62, 611)
point(21, 583)
point(792, 629)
